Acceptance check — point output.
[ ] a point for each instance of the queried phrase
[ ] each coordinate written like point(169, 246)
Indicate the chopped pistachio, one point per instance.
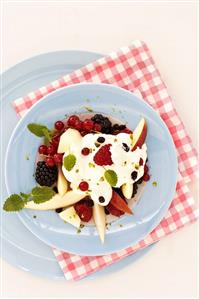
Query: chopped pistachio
point(34, 216)
point(154, 184)
point(101, 179)
point(89, 109)
point(27, 157)
point(82, 225)
point(78, 231)
point(91, 164)
point(77, 170)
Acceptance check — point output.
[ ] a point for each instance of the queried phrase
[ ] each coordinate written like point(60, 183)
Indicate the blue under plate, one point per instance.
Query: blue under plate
point(19, 247)
point(120, 104)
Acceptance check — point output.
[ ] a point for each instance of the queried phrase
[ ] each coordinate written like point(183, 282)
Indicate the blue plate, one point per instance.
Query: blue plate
point(19, 247)
point(121, 104)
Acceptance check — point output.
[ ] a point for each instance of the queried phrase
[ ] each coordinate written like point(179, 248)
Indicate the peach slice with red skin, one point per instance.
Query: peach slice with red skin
point(139, 134)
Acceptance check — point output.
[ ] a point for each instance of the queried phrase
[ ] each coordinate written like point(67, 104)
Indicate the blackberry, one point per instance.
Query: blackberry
point(117, 127)
point(45, 175)
point(104, 122)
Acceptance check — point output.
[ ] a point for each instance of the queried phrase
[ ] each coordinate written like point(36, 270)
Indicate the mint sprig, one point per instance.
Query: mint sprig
point(38, 130)
point(69, 162)
point(111, 177)
point(16, 202)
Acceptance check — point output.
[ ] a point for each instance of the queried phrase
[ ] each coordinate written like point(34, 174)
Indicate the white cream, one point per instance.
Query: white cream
point(124, 163)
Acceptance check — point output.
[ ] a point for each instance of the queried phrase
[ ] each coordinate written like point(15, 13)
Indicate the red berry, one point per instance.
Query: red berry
point(146, 168)
point(50, 162)
point(72, 120)
point(83, 186)
point(84, 211)
point(85, 151)
point(141, 162)
point(146, 177)
point(87, 124)
point(51, 150)
point(59, 125)
point(43, 149)
point(103, 156)
point(83, 133)
point(97, 127)
point(58, 158)
point(78, 125)
point(55, 141)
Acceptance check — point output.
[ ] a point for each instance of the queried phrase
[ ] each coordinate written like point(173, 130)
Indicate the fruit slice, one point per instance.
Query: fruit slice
point(127, 190)
point(139, 134)
point(62, 183)
point(68, 140)
point(69, 215)
point(56, 201)
point(100, 220)
point(120, 204)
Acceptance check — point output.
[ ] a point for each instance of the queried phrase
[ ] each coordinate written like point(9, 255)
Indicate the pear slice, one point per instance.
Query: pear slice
point(69, 139)
point(100, 220)
point(127, 190)
point(69, 215)
point(57, 201)
point(62, 183)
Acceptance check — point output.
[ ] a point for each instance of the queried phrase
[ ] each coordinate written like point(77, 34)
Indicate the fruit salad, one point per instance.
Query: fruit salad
point(86, 169)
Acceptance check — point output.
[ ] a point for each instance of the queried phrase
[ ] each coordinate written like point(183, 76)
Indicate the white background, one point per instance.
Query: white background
point(170, 268)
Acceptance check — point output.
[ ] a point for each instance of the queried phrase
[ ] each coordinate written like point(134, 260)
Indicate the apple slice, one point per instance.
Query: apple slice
point(68, 140)
point(62, 183)
point(139, 134)
point(127, 190)
point(69, 215)
point(57, 201)
point(100, 220)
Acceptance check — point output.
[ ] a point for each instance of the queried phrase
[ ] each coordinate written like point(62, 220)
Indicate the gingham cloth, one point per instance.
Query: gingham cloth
point(132, 68)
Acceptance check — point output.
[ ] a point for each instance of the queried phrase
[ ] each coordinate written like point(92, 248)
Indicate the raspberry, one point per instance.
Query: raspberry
point(146, 169)
point(84, 211)
point(103, 156)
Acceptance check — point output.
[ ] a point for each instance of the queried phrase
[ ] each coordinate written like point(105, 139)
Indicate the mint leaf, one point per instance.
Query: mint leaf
point(13, 203)
point(47, 135)
point(37, 129)
point(25, 196)
point(42, 194)
point(69, 162)
point(111, 177)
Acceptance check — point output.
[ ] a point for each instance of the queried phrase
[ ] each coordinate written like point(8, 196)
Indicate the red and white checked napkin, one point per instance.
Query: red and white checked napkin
point(132, 68)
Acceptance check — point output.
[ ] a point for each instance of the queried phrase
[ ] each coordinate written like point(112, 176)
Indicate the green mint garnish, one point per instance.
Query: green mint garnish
point(111, 177)
point(47, 135)
point(42, 194)
point(69, 162)
point(14, 203)
point(37, 129)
